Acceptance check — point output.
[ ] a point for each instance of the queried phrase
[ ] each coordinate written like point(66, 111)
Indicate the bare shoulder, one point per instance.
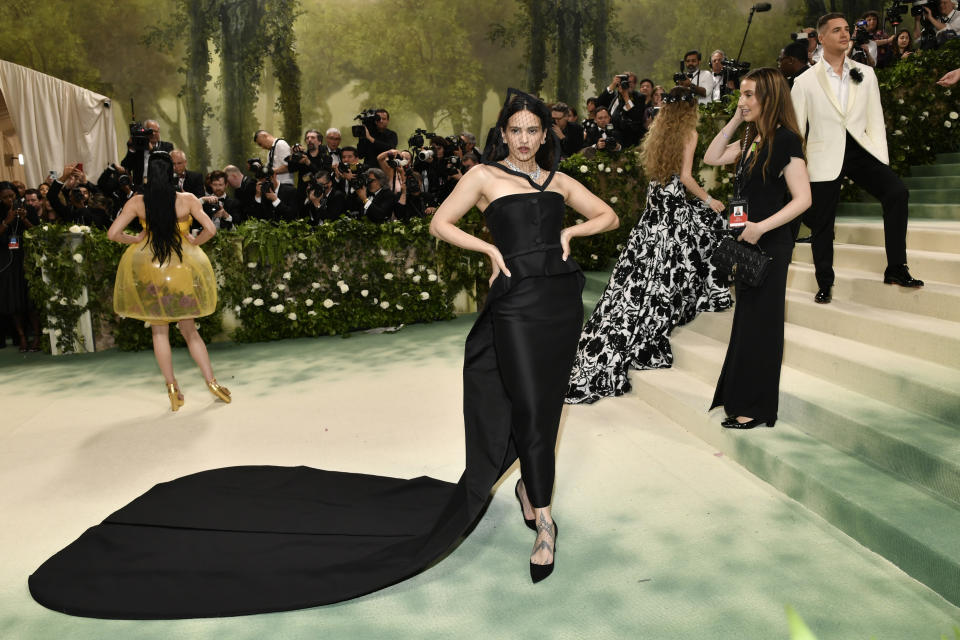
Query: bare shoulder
point(186, 196)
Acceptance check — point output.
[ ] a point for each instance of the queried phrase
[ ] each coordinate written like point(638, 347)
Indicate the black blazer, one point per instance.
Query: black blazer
point(193, 183)
point(381, 209)
point(134, 162)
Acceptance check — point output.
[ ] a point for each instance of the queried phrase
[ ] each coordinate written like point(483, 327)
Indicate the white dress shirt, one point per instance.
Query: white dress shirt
point(840, 84)
point(704, 79)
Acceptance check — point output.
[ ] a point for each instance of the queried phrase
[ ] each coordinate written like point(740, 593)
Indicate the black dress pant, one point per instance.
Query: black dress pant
point(879, 181)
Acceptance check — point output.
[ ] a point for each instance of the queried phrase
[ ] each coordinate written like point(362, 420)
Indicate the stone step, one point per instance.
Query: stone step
point(948, 158)
point(911, 528)
point(905, 381)
point(927, 265)
point(922, 235)
point(916, 211)
point(939, 169)
point(935, 196)
point(905, 333)
point(920, 449)
point(935, 299)
point(931, 182)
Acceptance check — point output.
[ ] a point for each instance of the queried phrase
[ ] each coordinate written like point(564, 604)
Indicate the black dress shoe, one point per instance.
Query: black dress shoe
point(823, 296)
point(901, 275)
point(733, 423)
point(531, 523)
point(805, 240)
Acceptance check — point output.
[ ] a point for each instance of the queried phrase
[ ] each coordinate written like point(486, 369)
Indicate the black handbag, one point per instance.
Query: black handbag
point(746, 263)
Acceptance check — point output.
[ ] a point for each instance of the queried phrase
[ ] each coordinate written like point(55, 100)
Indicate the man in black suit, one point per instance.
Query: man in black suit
point(324, 203)
point(136, 159)
point(373, 143)
point(569, 133)
point(76, 190)
point(228, 211)
point(378, 202)
point(626, 106)
point(793, 61)
point(269, 205)
point(187, 181)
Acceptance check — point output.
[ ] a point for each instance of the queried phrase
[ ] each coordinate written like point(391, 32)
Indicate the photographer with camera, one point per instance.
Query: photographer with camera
point(324, 202)
point(792, 61)
point(143, 139)
point(862, 47)
point(390, 162)
point(409, 202)
point(378, 201)
point(602, 134)
point(626, 106)
point(373, 135)
point(569, 133)
point(348, 173)
point(185, 180)
point(15, 301)
point(75, 188)
point(279, 150)
point(267, 202)
point(946, 19)
point(884, 57)
point(468, 143)
point(440, 169)
point(243, 190)
point(307, 162)
point(693, 78)
point(115, 183)
point(223, 210)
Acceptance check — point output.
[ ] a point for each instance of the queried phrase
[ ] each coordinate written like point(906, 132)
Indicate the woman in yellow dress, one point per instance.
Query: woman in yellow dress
point(164, 276)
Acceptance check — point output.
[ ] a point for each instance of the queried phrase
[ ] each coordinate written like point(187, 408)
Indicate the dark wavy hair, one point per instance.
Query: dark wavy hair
point(546, 154)
point(160, 207)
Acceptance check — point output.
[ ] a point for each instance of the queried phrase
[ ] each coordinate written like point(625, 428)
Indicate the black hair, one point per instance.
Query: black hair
point(160, 208)
point(652, 83)
point(796, 50)
point(693, 52)
point(827, 17)
point(257, 135)
point(351, 149)
point(547, 153)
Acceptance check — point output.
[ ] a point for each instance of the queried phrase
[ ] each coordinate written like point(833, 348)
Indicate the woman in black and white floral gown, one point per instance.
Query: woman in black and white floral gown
point(663, 277)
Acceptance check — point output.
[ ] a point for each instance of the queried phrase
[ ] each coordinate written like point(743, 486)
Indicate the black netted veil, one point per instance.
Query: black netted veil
point(548, 155)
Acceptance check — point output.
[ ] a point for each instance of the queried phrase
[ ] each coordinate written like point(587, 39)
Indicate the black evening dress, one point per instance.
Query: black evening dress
point(14, 298)
point(662, 279)
point(244, 540)
point(749, 383)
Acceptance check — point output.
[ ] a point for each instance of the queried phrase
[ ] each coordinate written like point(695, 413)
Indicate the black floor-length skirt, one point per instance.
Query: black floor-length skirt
point(749, 383)
point(244, 540)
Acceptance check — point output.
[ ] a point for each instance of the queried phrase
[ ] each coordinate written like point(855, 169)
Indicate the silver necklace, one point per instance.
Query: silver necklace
point(533, 175)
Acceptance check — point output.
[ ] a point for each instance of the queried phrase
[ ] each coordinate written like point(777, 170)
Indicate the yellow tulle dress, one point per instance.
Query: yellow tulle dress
point(178, 289)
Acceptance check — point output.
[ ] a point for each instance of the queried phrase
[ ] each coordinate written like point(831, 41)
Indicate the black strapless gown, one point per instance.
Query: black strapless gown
point(244, 540)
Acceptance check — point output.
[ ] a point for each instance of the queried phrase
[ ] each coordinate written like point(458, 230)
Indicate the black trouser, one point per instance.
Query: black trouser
point(879, 181)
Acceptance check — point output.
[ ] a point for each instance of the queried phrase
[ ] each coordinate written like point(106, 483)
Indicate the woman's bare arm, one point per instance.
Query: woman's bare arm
point(123, 220)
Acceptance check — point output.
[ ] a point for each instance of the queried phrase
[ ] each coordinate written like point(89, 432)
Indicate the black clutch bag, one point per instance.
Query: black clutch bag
point(745, 262)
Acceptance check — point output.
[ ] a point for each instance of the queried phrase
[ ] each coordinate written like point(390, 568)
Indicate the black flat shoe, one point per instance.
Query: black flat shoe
point(901, 275)
point(823, 296)
point(531, 523)
point(733, 423)
point(540, 572)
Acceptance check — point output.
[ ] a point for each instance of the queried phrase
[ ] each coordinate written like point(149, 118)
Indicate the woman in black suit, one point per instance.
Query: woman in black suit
point(770, 161)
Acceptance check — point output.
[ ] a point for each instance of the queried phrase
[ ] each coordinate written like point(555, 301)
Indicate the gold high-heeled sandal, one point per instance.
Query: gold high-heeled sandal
point(176, 398)
point(219, 390)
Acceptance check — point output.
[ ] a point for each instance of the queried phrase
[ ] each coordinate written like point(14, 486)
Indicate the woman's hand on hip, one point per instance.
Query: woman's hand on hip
point(565, 236)
point(498, 264)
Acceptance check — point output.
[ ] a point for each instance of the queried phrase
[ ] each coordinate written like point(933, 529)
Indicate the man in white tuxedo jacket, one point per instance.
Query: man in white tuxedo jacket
point(839, 100)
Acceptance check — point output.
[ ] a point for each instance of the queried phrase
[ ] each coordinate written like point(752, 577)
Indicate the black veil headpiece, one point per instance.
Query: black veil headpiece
point(496, 148)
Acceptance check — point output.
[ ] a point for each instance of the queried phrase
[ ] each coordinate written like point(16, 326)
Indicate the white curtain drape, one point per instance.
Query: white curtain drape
point(57, 123)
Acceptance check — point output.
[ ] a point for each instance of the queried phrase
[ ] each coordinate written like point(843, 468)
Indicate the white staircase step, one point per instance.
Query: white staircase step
point(925, 265)
point(926, 235)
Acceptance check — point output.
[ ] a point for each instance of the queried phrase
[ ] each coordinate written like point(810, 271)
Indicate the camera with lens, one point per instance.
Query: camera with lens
point(139, 136)
point(419, 137)
point(259, 171)
point(860, 34)
point(211, 208)
point(680, 76)
point(425, 155)
point(896, 12)
point(802, 35)
point(624, 80)
point(413, 185)
point(452, 164)
point(350, 167)
point(394, 159)
point(315, 188)
point(454, 142)
point(734, 68)
point(917, 7)
point(368, 122)
point(296, 155)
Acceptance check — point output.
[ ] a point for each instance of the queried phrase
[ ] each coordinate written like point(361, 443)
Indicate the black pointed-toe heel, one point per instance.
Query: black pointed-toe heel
point(540, 572)
point(732, 423)
point(531, 523)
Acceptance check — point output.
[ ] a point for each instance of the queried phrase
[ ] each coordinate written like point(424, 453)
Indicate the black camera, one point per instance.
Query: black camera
point(735, 68)
point(350, 167)
point(680, 76)
point(211, 208)
point(296, 156)
point(259, 171)
point(368, 122)
point(452, 164)
point(317, 189)
point(413, 185)
point(860, 34)
point(139, 136)
point(394, 159)
point(454, 142)
point(624, 80)
point(917, 7)
point(802, 35)
point(419, 138)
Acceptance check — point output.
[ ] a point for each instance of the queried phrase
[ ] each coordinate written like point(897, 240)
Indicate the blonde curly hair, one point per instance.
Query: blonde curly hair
point(661, 152)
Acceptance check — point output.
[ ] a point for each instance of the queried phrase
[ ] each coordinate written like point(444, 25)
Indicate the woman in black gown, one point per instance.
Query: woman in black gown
point(520, 351)
point(771, 161)
point(255, 539)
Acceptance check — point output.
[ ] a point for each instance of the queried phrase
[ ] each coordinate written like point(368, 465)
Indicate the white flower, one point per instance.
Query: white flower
point(63, 301)
point(600, 167)
point(947, 92)
point(344, 288)
point(593, 256)
point(900, 101)
point(247, 300)
point(311, 313)
point(424, 295)
point(292, 315)
point(388, 276)
point(384, 305)
point(53, 298)
point(954, 115)
point(302, 256)
point(400, 307)
point(947, 124)
point(432, 278)
point(281, 287)
point(77, 258)
point(258, 302)
point(726, 181)
point(416, 278)
point(383, 252)
point(619, 169)
point(898, 132)
point(314, 285)
point(45, 227)
point(252, 265)
point(146, 325)
point(364, 293)
point(58, 332)
point(364, 277)
point(237, 308)
point(327, 303)
point(583, 168)
point(904, 118)
point(308, 302)
point(579, 221)
point(613, 199)
point(286, 275)
point(255, 287)
point(84, 228)
point(74, 229)
point(274, 295)
point(926, 113)
point(607, 170)
point(335, 268)
point(409, 271)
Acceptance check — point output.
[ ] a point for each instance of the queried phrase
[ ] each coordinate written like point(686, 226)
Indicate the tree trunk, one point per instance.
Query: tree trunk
point(598, 37)
point(195, 84)
point(242, 63)
point(537, 50)
point(287, 71)
point(569, 56)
